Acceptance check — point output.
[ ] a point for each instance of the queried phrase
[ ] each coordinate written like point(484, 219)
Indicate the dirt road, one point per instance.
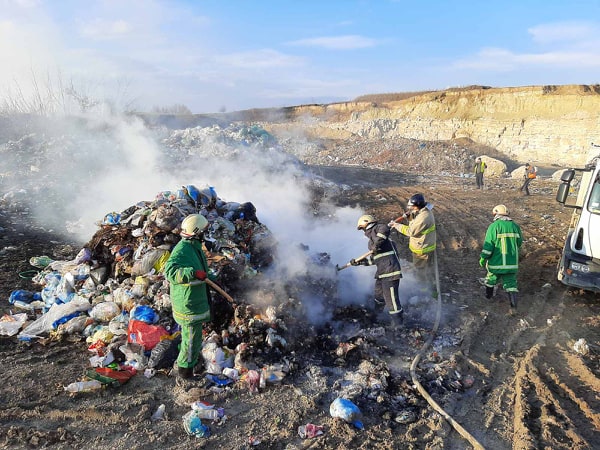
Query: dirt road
point(530, 388)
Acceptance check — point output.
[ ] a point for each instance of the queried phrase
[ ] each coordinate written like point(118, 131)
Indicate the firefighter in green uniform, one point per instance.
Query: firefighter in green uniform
point(500, 254)
point(186, 270)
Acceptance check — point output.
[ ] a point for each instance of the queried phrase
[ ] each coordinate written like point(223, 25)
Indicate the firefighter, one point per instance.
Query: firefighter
point(500, 254)
point(187, 264)
point(388, 274)
point(422, 237)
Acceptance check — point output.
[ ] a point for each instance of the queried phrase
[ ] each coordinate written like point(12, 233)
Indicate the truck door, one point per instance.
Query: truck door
point(589, 223)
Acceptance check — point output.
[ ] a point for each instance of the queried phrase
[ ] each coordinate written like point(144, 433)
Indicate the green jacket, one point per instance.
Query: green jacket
point(503, 239)
point(190, 302)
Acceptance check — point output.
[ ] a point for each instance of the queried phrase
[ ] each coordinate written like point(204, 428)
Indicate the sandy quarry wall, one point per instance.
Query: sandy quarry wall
point(541, 124)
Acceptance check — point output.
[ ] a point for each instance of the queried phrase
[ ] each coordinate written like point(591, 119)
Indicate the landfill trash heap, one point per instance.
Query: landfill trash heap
point(114, 293)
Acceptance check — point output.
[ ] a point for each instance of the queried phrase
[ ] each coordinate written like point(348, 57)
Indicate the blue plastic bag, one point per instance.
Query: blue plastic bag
point(342, 408)
point(24, 296)
point(144, 313)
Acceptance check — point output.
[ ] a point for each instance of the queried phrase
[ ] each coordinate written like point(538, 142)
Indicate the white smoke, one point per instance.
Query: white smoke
point(88, 167)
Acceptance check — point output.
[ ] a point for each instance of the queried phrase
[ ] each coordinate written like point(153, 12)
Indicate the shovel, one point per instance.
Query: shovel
point(360, 258)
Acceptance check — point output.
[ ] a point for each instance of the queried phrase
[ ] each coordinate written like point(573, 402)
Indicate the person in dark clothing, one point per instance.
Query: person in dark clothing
point(388, 274)
point(530, 174)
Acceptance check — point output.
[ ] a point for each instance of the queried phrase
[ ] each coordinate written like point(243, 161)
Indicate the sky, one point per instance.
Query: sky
point(217, 56)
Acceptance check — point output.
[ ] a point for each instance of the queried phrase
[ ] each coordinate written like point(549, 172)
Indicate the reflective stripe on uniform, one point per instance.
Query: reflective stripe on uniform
point(391, 274)
point(420, 251)
point(191, 317)
point(431, 229)
point(379, 255)
point(188, 351)
point(507, 266)
point(395, 302)
point(382, 236)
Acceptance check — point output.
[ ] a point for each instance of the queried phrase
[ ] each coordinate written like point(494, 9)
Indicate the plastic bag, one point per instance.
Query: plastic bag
point(146, 263)
point(10, 324)
point(44, 323)
point(164, 354)
point(105, 311)
point(24, 296)
point(139, 332)
point(144, 313)
point(344, 409)
point(192, 424)
point(215, 359)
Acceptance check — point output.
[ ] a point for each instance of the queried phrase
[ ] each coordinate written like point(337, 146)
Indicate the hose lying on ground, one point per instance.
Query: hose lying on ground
point(464, 433)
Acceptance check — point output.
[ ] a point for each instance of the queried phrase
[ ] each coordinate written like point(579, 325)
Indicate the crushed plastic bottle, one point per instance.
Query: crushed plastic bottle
point(84, 386)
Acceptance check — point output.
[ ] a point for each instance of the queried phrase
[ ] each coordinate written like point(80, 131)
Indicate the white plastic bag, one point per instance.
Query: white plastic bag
point(44, 323)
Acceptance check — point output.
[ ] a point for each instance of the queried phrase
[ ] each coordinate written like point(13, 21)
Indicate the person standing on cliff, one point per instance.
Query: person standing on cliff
point(479, 168)
point(530, 174)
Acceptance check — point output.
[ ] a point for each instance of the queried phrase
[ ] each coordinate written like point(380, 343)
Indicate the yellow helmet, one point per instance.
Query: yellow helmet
point(500, 210)
point(364, 220)
point(193, 225)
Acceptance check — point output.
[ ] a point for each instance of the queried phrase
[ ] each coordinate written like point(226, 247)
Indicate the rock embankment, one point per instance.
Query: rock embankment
point(546, 125)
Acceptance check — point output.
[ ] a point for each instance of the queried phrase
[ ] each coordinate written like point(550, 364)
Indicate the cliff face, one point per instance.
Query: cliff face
point(542, 124)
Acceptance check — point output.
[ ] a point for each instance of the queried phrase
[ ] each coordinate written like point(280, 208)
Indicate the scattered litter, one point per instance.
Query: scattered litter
point(406, 416)
point(158, 414)
point(342, 408)
point(310, 431)
point(581, 347)
point(192, 424)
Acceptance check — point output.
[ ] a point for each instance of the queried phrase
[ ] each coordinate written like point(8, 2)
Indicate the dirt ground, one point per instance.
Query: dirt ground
point(512, 381)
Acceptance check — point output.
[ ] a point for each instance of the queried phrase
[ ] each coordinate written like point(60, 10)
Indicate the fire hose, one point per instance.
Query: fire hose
point(464, 433)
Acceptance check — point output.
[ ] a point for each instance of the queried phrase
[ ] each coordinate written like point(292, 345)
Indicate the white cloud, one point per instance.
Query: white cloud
point(498, 59)
point(100, 29)
point(564, 32)
point(349, 42)
point(258, 59)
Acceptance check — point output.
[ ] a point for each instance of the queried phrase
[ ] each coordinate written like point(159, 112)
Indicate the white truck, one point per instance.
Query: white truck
point(579, 265)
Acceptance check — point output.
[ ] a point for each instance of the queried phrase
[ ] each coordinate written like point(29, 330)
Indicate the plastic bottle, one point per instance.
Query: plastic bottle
point(83, 386)
point(263, 378)
point(210, 414)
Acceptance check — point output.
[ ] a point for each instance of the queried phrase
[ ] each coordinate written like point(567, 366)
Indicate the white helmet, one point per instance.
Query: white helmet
point(193, 225)
point(500, 210)
point(363, 221)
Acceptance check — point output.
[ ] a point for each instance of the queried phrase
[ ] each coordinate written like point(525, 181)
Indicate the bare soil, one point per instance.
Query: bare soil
point(530, 388)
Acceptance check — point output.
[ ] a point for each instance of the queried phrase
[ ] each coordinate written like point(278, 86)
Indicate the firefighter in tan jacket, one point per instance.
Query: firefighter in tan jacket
point(422, 237)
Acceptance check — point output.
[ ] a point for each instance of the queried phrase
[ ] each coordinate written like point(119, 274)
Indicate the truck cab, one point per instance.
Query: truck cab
point(579, 265)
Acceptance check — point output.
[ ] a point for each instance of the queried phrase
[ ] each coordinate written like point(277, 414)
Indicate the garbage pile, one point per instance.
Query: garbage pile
point(114, 294)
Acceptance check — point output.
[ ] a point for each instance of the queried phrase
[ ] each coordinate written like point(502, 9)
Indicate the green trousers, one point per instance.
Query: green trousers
point(508, 280)
point(191, 344)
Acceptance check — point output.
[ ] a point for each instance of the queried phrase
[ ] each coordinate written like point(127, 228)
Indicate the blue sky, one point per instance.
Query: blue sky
point(231, 54)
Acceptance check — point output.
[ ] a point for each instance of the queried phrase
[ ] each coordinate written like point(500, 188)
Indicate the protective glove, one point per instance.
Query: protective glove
point(200, 274)
point(354, 262)
point(482, 262)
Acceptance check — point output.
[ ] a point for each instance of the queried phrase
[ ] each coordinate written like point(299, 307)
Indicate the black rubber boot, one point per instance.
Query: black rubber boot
point(185, 373)
point(512, 297)
point(489, 292)
point(397, 319)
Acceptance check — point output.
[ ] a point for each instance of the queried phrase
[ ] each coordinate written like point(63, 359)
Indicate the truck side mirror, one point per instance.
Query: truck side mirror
point(567, 176)
point(563, 192)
